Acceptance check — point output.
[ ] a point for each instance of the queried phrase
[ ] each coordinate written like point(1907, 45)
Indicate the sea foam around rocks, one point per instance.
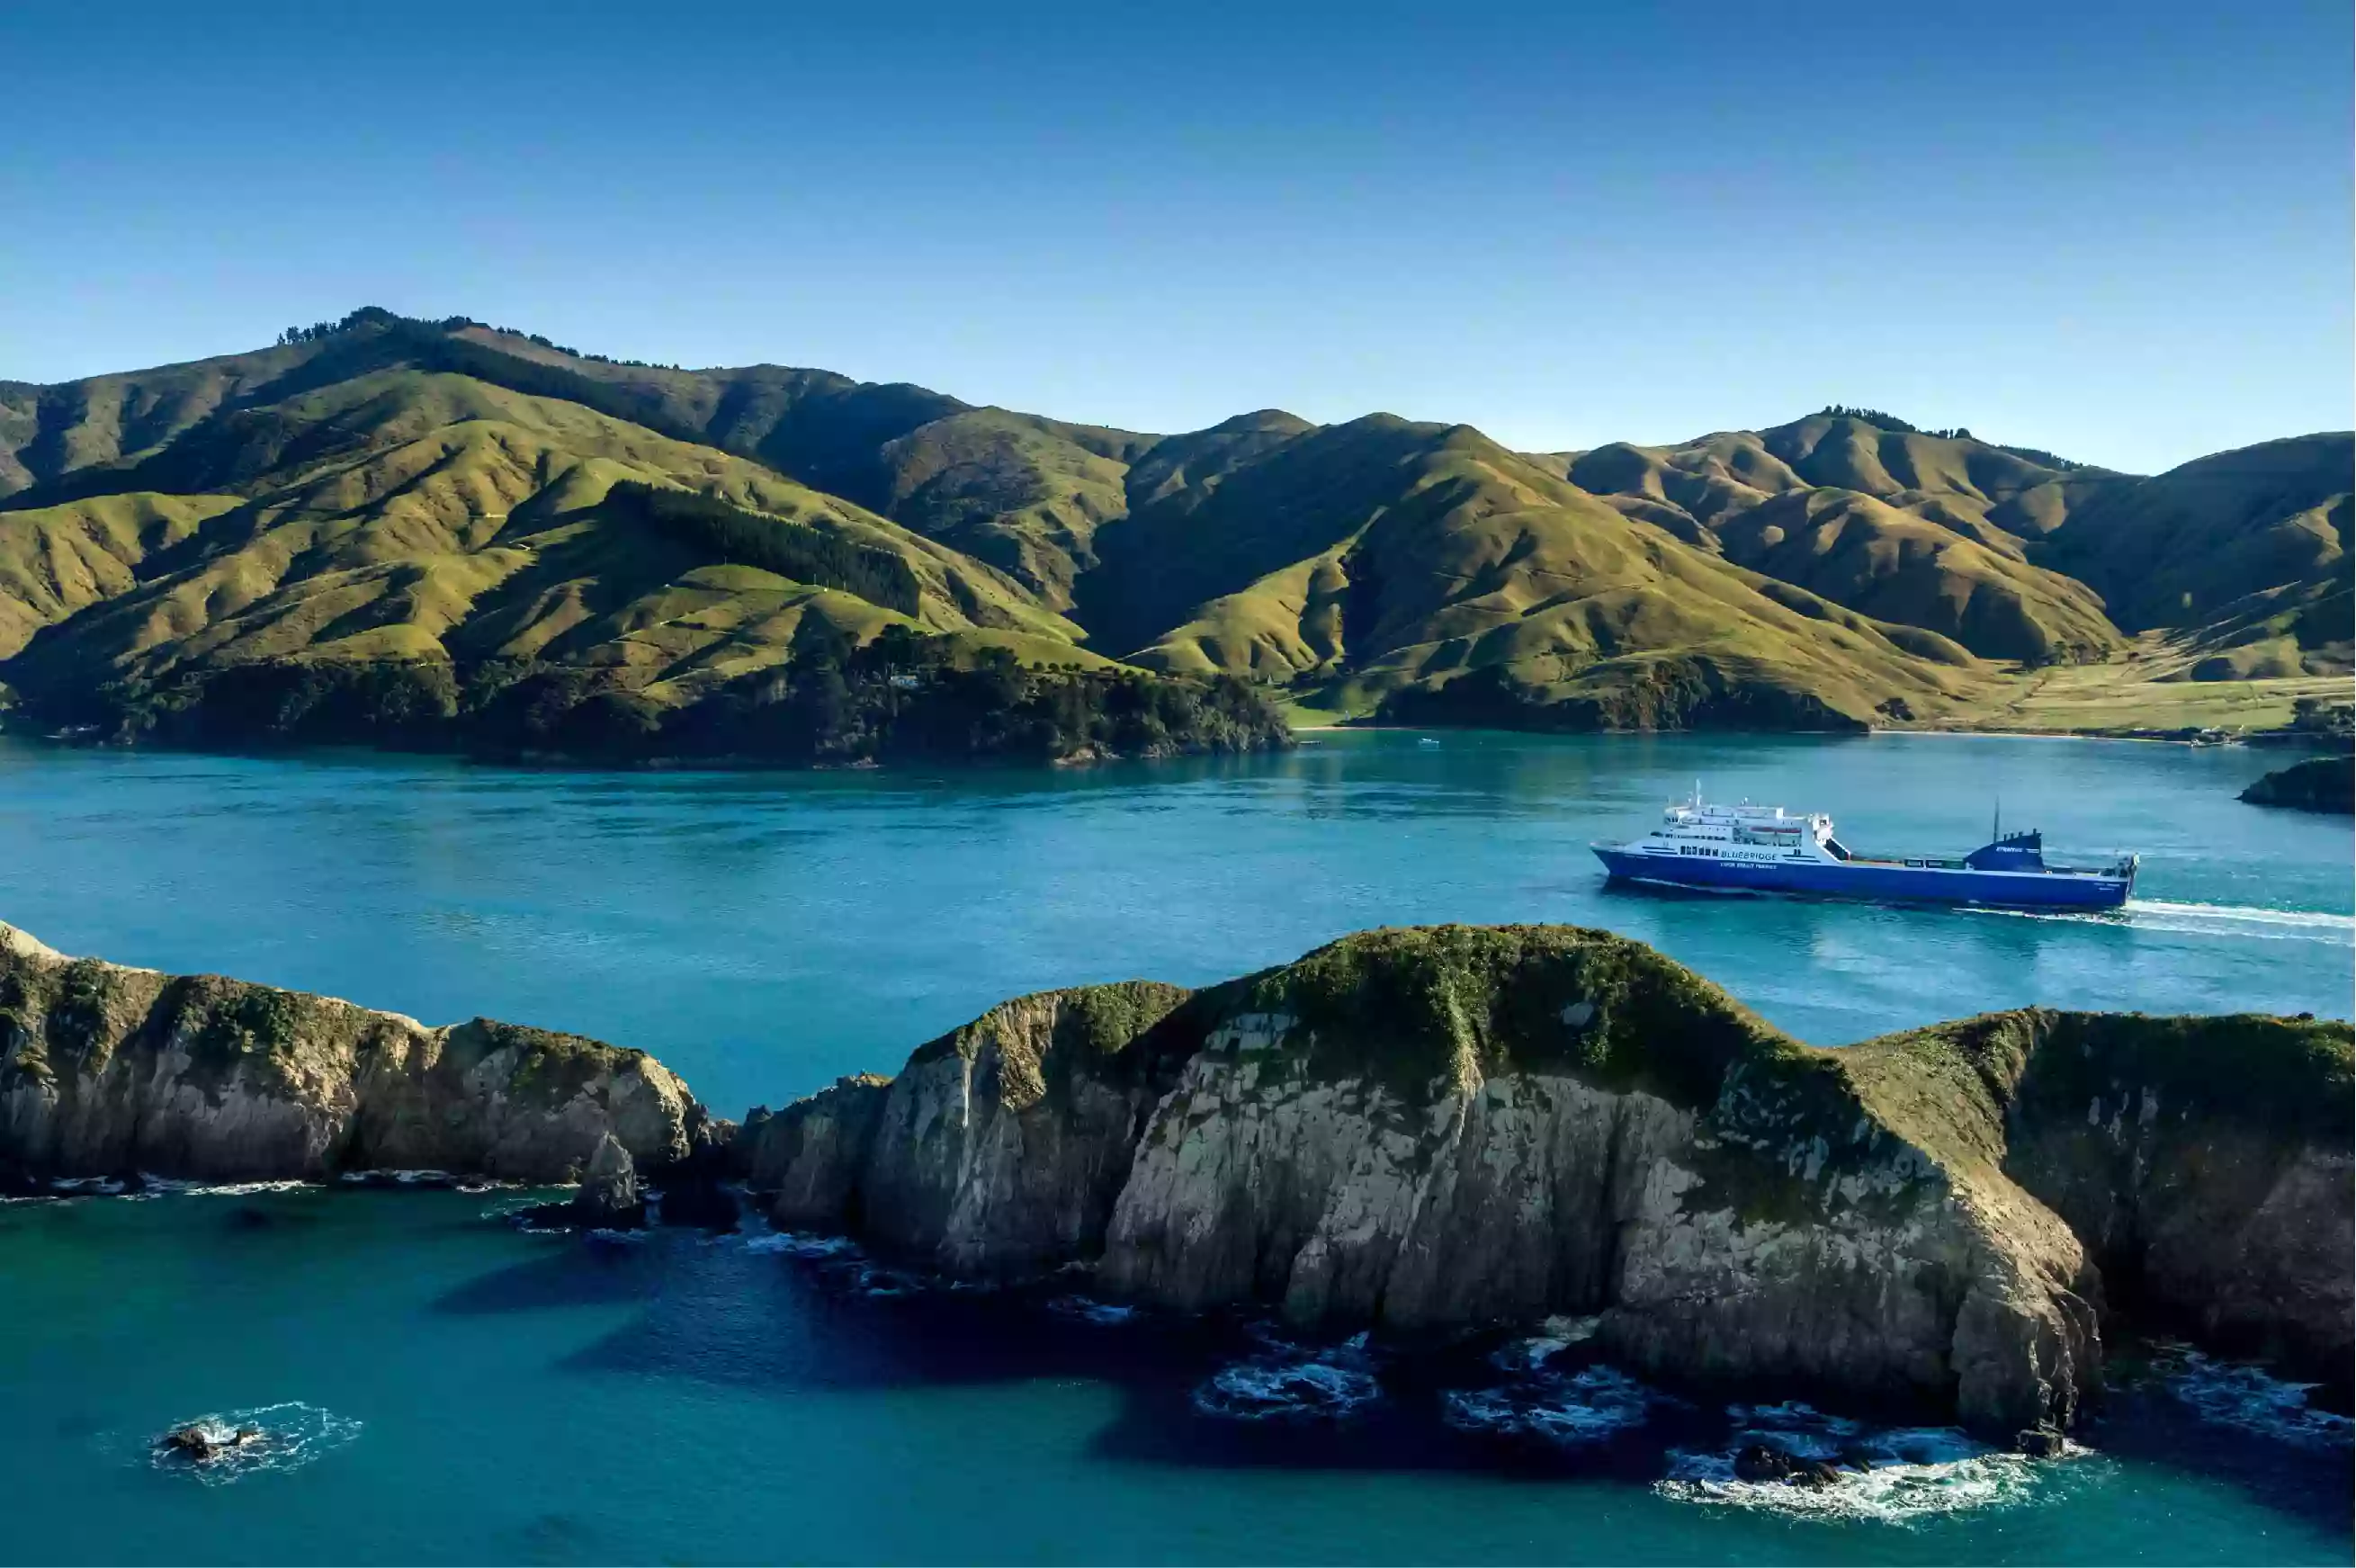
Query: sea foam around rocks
point(295, 1435)
point(1289, 1383)
point(2228, 1393)
point(1591, 1406)
point(1895, 1476)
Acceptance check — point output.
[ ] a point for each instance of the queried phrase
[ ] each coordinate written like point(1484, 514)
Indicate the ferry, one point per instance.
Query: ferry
point(1766, 849)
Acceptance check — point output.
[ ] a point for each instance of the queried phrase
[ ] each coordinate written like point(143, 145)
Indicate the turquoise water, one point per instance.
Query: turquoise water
point(454, 1389)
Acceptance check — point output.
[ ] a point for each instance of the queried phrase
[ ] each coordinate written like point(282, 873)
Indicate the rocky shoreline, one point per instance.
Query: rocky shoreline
point(1421, 1133)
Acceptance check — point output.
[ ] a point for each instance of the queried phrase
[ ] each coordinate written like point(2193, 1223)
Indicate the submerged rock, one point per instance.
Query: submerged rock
point(1433, 1129)
point(105, 1069)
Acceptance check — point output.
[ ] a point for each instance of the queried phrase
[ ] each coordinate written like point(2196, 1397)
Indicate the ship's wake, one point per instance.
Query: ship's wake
point(2230, 921)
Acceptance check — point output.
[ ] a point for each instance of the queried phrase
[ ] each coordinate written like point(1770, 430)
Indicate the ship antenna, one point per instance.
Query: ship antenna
point(1996, 828)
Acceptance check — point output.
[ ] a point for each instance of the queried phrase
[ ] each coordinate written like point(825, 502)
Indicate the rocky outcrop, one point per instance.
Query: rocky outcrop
point(106, 1069)
point(999, 1148)
point(2318, 784)
point(1427, 1130)
point(1423, 1130)
point(2205, 1163)
point(608, 1194)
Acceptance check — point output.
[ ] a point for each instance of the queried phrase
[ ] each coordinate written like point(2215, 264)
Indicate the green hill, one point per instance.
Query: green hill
point(338, 517)
point(2013, 552)
point(2249, 546)
point(1422, 568)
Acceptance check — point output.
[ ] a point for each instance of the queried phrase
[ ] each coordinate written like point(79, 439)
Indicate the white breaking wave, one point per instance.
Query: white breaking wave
point(292, 1435)
point(1288, 1383)
point(1587, 1406)
point(792, 1243)
point(166, 1187)
point(2237, 919)
point(1088, 1309)
point(2240, 1396)
point(1906, 1474)
point(1901, 1492)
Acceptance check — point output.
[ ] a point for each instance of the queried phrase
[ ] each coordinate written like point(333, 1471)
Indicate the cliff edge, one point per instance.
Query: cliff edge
point(106, 1070)
point(1433, 1129)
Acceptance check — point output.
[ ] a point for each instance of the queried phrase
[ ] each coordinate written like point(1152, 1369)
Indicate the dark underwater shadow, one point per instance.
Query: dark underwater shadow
point(729, 1312)
point(589, 1274)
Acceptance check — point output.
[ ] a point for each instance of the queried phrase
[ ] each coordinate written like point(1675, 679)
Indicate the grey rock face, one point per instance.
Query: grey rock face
point(106, 1069)
point(807, 1157)
point(999, 1149)
point(1435, 1129)
point(1532, 1193)
point(608, 1194)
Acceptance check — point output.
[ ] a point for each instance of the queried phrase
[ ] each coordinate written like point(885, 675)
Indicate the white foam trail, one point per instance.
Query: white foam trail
point(2243, 914)
point(2250, 922)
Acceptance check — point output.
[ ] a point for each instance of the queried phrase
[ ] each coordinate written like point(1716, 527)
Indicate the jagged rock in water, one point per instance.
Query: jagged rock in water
point(1765, 1462)
point(807, 1159)
point(105, 1069)
point(1433, 1129)
point(695, 1190)
point(608, 1194)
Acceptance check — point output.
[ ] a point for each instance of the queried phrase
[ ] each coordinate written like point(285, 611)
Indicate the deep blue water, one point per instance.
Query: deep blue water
point(468, 1392)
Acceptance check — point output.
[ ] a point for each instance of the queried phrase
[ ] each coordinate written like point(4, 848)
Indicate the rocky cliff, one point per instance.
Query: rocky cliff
point(999, 1148)
point(106, 1069)
point(1423, 1130)
point(1427, 1130)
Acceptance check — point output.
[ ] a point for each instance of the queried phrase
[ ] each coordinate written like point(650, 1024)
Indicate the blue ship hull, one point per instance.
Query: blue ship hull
point(1851, 879)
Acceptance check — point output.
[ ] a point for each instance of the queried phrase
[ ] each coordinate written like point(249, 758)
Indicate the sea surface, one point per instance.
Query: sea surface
point(442, 1386)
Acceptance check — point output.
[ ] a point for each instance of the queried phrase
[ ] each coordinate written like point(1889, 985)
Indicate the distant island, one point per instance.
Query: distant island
point(445, 535)
point(2318, 784)
point(1419, 1132)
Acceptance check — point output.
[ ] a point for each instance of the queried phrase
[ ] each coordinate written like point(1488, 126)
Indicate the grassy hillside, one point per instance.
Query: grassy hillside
point(2014, 552)
point(56, 562)
point(2251, 546)
point(400, 495)
point(422, 515)
point(1902, 526)
point(1424, 568)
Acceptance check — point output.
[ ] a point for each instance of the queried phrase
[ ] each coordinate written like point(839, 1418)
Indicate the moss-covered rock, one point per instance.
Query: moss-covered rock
point(2204, 1162)
point(997, 1150)
point(1438, 1128)
point(2318, 784)
point(106, 1069)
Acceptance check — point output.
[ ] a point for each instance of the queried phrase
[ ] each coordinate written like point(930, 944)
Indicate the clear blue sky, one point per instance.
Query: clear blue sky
point(2122, 232)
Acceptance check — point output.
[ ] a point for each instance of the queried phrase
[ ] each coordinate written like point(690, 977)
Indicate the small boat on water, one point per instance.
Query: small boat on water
point(1766, 849)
